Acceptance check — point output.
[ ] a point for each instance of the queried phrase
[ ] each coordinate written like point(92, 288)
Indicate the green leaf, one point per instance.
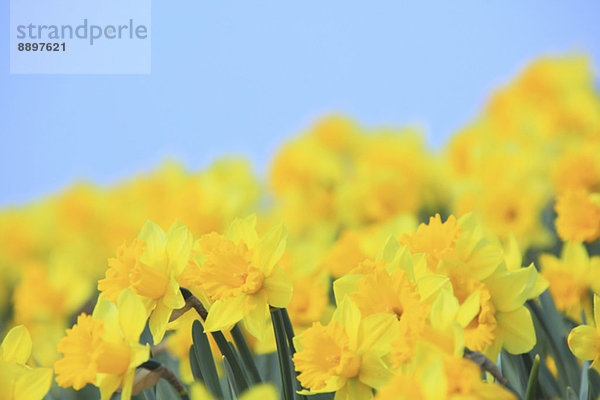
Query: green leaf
point(205, 359)
point(195, 365)
point(240, 379)
point(283, 353)
point(245, 354)
point(533, 379)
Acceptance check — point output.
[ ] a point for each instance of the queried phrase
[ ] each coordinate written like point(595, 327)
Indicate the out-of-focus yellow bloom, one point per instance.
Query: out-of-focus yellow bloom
point(151, 266)
point(103, 348)
point(584, 340)
point(578, 216)
point(263, 391)
point(571, 277)
point(241, 275)
point(18, 381)
point(436, 376)
point(345, 356)
point(578, 168)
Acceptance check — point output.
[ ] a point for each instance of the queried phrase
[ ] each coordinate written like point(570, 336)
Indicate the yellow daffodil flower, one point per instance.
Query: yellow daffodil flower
point(263, 391)
point(584, 340)
point(433, 375)
point(241, 275)
point(103, 348)
point(571, 277)
point(18, 381)
point(346, 356)
point(151, 267)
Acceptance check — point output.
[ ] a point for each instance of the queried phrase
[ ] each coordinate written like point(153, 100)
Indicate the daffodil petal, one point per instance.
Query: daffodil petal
point(107, 311)
point(256, 319)
point(108, 384)
point(373, 371)
point(179, 245)
point(517, 330)
point(158, 322)
point(469, 309)
point(584, 342)
point(510, 289)
point(344, 286)
point(376, 332)
point(270, 248)
point(33, 384)
point(132, 315)
point(155, 240)
point(244, 230)
point(16, 346)
point(348, 315)
point(264, 391)
point(224, 313)
point(443, 310)
point(278, 288)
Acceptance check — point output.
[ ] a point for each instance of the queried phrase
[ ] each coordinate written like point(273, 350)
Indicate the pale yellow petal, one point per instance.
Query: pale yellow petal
point(344, 286)
point(243, 230)
point(156, 242)
point(158, 322)
point(33, 384)
point(270, 248)
point(373, 371)
point(132, 315)
point(16, 346)
point(263, 391)
point(179, 245)
point(258, 314)
point(469, 309)
point(224, 314)
point(376, 333)
point(429, 286)
point(443, 310)
point(510, 289)
point(348, 315)
point(107, 311)
point(517, 331)
point(278, 288)
point(584, 342)
point(108, 384)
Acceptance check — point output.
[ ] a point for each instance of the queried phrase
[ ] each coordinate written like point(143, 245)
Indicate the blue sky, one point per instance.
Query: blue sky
point(241, 77)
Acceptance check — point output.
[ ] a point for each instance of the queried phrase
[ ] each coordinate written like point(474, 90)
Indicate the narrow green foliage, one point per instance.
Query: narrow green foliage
point(195, 364)
point(240, 380)
point(205, 359)
point(533, 379)
point(246, 355)
point(283, 352)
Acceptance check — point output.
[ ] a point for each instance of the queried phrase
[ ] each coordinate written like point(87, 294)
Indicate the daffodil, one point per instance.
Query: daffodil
point(578, 216)
point(584, 340)
point(103, 348)
point(241, 275)
point(263, 391)
point(487, 291)
point(346, 356)
point(571, 276)
point(19, 381)
point(151, 267)
point(433, 375)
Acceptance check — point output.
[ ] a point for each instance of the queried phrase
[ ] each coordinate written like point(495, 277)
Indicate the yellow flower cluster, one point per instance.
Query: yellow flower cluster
point(326, 264)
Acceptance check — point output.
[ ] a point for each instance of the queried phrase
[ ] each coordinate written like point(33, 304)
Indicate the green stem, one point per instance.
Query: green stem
point(283, 352)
